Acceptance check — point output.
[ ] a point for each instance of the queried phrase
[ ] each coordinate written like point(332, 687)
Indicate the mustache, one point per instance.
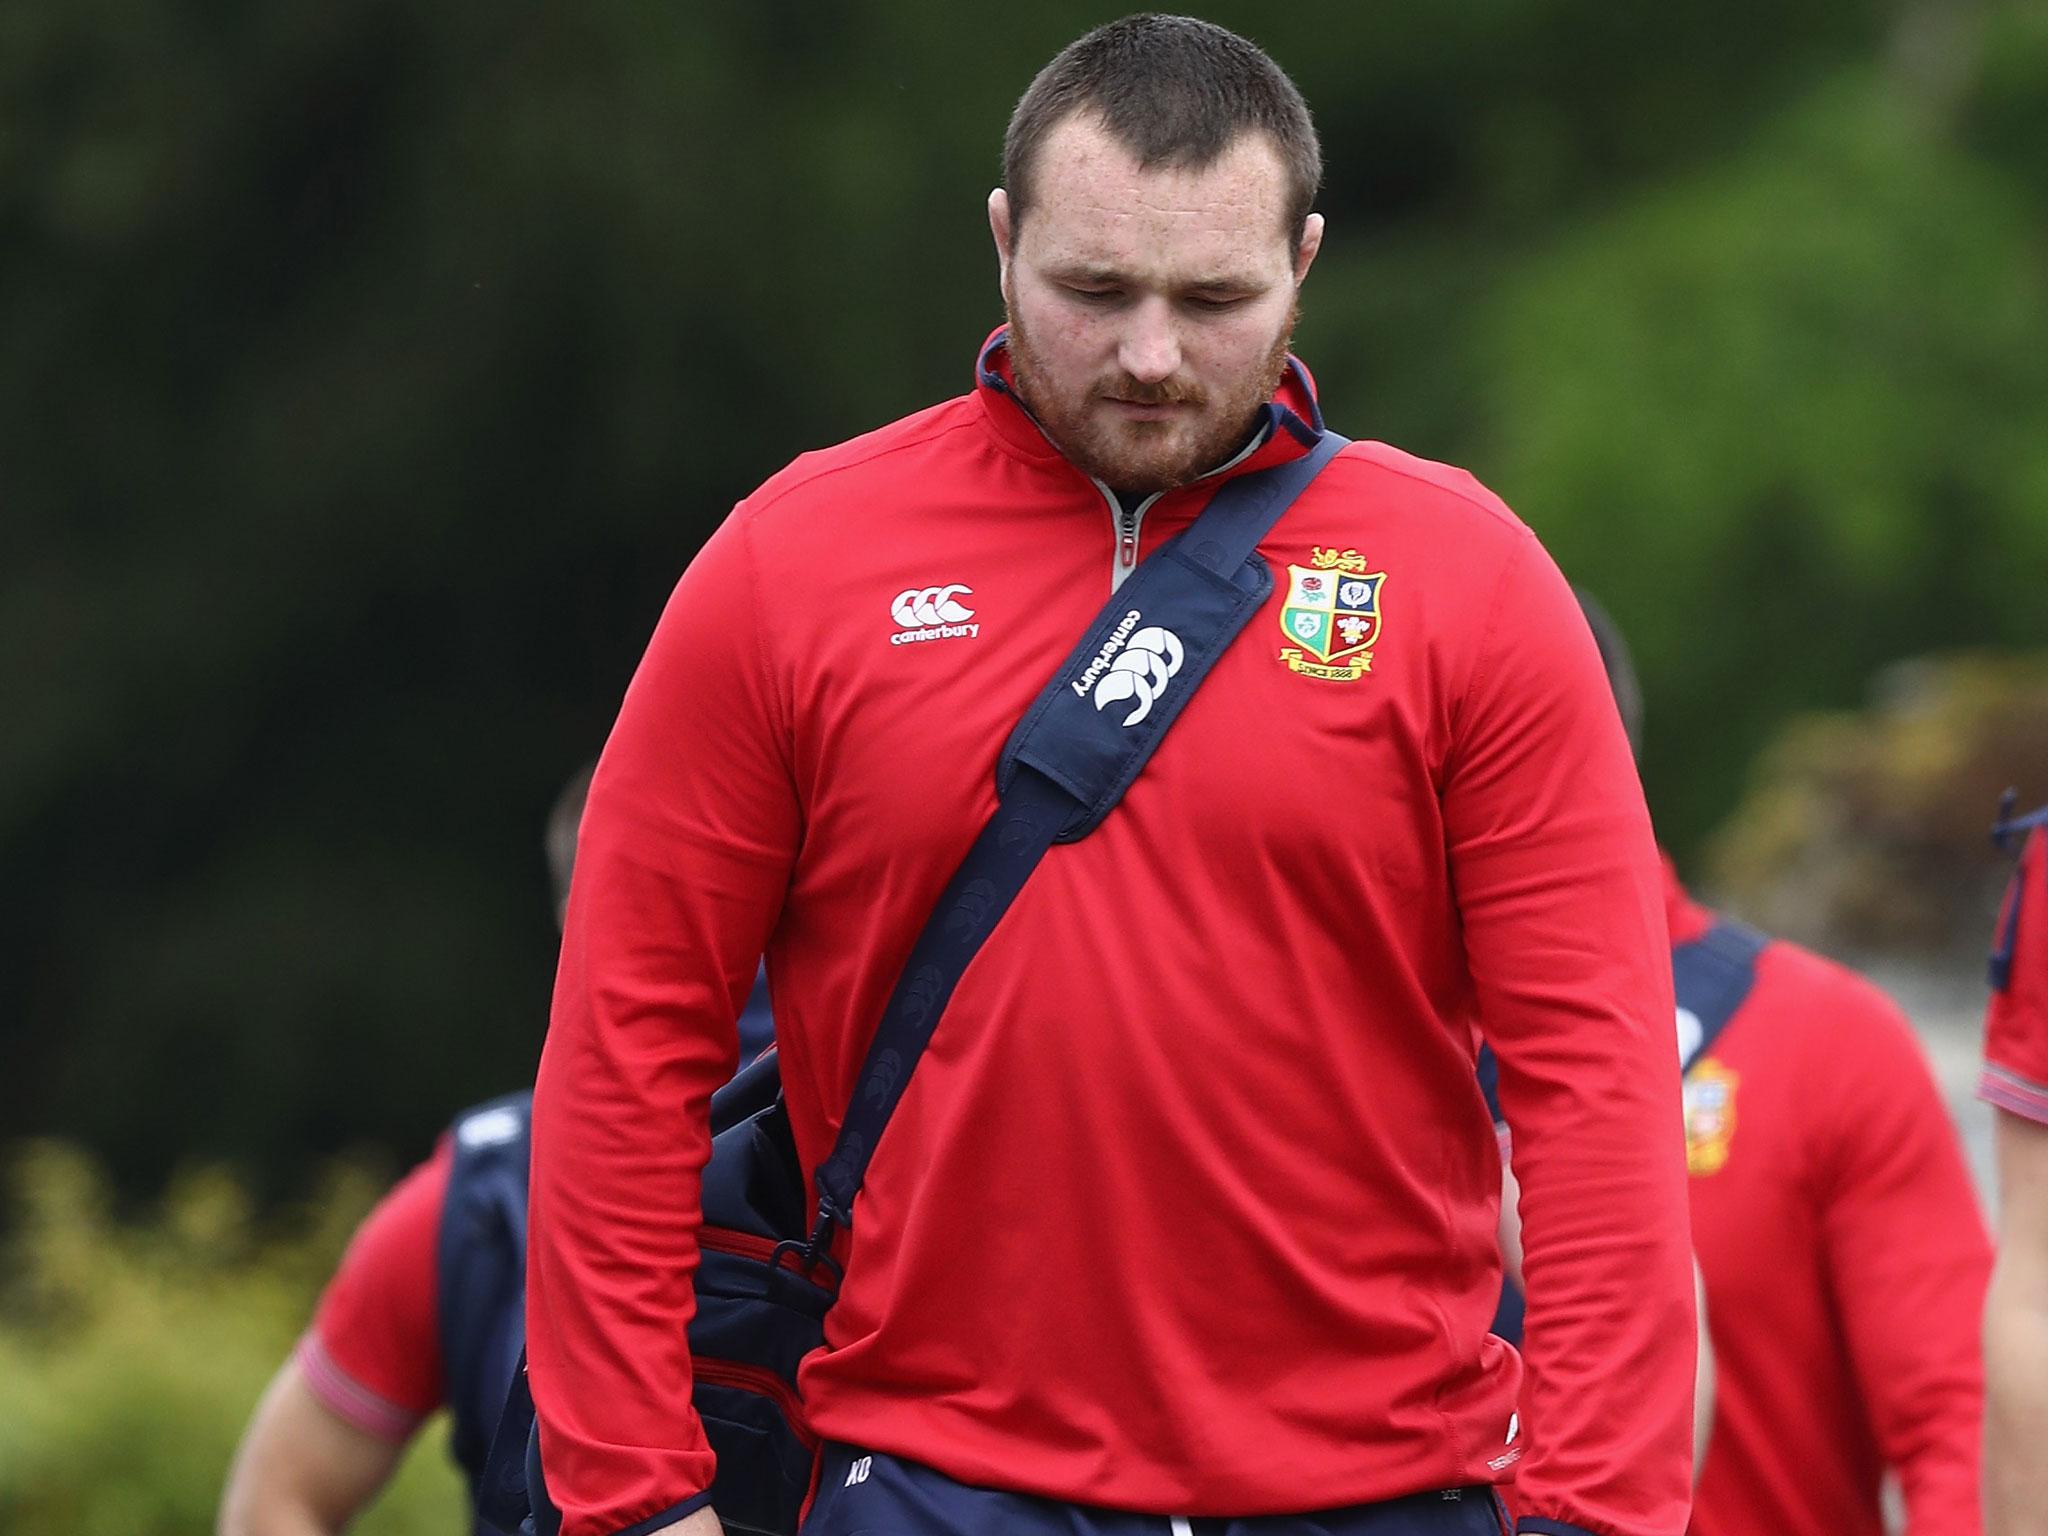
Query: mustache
point(1165, 392)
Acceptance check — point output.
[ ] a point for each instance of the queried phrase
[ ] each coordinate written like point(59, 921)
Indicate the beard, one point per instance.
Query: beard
point(1145, 456)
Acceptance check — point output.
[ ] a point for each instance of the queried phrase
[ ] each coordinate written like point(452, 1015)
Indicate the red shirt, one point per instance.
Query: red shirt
point(1191, 1206)
point(2016, 1025)
point(373, 1354)
point(1845, 1260)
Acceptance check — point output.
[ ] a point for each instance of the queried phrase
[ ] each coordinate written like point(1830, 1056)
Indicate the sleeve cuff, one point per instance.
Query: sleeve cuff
point(667, 1517)
point(348, 1399)
point(2010, 1091)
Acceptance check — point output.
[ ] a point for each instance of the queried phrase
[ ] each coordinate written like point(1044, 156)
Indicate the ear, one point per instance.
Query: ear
point(1311, 242)
point(999, 226)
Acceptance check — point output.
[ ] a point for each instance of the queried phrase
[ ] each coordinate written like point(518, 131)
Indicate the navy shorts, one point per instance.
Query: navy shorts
point(862, 1493)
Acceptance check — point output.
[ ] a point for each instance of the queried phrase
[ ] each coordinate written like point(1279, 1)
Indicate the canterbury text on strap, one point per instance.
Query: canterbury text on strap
point(1712, 976)
point(1067, 763)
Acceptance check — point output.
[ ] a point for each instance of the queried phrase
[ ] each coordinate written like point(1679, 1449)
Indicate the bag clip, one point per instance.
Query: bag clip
point(815, 1251)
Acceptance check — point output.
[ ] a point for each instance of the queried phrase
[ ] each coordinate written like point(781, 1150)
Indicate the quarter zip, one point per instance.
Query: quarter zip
point(1129, 523)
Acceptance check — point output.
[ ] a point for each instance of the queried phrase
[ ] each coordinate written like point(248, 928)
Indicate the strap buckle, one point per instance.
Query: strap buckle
point(815, 1252)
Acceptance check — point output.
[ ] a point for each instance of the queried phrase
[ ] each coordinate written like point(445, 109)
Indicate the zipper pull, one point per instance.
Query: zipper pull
point(1126, 538)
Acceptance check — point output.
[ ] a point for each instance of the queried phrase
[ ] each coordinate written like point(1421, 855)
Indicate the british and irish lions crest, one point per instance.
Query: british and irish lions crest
point(1332, 616)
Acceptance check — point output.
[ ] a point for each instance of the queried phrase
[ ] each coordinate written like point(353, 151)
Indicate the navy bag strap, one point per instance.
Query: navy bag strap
point(1070, 759)
point(507, 1491)
point(480, 1276)
point(1712, 976)
point(2009, 834)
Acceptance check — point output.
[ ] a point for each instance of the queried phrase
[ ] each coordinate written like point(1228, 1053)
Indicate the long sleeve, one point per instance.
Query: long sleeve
point(1908, 1259)
point(1558, 887)
point(685, 850)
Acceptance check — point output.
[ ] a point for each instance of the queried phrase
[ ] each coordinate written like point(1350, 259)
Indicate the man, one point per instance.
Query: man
point(1843, 1252)
point(2015, 1082)
point(1186, 1220)
point(424, 1312)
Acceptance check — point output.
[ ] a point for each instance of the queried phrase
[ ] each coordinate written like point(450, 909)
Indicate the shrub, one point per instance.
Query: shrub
point(132, 1350)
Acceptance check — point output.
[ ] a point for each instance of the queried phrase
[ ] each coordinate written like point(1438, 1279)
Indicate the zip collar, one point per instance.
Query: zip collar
point(1127, 519)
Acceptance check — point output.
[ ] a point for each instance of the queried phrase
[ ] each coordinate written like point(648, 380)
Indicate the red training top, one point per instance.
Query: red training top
point(2016, 1025)
point(1190, 1208)
point(1845, 1260)
point(373, 1354)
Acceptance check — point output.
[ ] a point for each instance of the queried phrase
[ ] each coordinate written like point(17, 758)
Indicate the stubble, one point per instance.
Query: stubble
point(1143, 456)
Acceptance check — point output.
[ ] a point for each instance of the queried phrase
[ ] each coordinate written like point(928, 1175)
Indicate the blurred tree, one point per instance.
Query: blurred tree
point(368, 370)
point(1789, 417)
point(131, 1353)
point(1864, 833)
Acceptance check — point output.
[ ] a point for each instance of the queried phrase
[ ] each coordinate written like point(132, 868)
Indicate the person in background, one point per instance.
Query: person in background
point(425, 1311)
point(1187, 1218)
point(2015, 1083)
point(1842, 1249)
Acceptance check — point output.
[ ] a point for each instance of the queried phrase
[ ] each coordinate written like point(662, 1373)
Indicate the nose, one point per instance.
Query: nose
point(1150, 349)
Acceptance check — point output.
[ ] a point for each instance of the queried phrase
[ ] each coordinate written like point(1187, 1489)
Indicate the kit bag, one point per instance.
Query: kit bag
point(767, 1271)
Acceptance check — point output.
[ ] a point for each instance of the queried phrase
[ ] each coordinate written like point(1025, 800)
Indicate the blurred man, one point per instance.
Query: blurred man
point(423, 1313)
point(426, 1311)
point(1843, 1251)
point(1187, 1218)
point(2015, 1082)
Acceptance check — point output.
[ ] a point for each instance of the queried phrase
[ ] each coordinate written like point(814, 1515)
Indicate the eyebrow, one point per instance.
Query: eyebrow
point(1098, 272)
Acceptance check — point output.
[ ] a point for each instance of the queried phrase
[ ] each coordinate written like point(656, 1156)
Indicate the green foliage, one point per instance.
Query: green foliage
point(132, 1352)
point(369, 369)
point(1789, 418)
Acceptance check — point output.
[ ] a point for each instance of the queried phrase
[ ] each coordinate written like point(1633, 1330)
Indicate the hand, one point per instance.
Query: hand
point(703, 1523)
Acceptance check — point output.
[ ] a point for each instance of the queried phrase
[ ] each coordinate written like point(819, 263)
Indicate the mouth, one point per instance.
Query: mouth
point(1145, 410)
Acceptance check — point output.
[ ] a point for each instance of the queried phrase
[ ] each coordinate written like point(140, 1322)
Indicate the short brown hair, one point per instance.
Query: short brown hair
point(1173, 90)
point(565, 819)
point(1620, 665)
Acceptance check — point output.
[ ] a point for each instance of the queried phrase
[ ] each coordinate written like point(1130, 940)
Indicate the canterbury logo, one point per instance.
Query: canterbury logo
point(932, 613)
point(1133, 663)
point(931, 605)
